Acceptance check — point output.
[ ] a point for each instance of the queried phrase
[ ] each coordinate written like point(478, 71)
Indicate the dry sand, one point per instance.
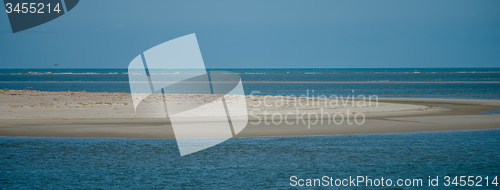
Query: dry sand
point(82, 114)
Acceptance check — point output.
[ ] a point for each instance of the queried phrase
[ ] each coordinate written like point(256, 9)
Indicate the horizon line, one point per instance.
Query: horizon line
point(274, 68)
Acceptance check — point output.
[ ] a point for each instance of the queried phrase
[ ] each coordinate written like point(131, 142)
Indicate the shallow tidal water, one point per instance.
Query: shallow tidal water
point(267, 162)
point(117, 80)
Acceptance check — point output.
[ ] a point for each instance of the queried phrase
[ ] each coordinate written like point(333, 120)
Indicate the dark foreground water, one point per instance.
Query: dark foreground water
point(88, 163)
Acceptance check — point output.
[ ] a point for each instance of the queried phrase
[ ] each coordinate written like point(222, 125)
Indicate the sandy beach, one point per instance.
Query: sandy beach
point(83, 114)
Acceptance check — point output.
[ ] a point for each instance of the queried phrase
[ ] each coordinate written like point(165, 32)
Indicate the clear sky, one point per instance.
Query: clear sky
point(266, 33)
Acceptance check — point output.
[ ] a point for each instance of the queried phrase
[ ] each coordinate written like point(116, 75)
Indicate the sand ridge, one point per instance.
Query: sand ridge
point(83, 114)
point(26, 104)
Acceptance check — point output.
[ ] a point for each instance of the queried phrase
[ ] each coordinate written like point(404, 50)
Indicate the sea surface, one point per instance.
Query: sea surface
point(248, 163)
point(265, 162)
point(417, 82)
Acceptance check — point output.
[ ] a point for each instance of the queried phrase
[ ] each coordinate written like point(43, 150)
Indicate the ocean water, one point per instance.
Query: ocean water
point(257, 163)
point(420, 82)
point(250, 163)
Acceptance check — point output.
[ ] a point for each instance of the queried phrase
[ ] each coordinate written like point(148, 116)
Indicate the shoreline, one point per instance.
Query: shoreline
point(114, 129)
point(293, 136)
point(112, 115)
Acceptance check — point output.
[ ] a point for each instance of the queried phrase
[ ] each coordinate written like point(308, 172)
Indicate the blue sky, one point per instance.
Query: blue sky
point(266, 34)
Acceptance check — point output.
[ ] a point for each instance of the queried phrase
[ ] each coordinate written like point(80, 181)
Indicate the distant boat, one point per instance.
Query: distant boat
point(56, 65)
